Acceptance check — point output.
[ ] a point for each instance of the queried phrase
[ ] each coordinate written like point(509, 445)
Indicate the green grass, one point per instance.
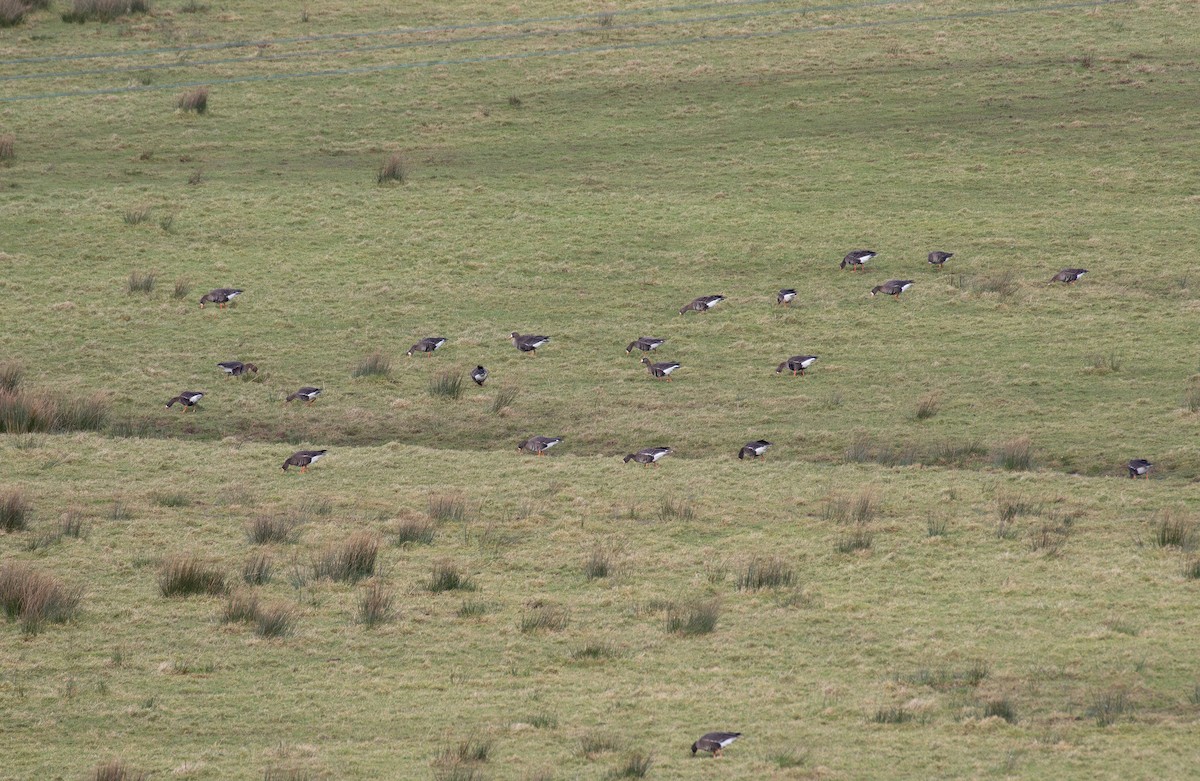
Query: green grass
point(587, 197)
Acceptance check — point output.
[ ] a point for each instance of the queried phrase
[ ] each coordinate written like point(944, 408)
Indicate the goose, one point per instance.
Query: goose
point(893, 287)
point(479, 374)
point(702, 304)
point(1138, 467)
point(858, 258)
point(755, 449)
point(660, 369)
point(1068, 275)
point(304, 458)
point(237, 368)
point(797, 364)
point(645, 344)
point(426, 345)
point(648, 456)
point(937, 258)
point(307, 393)
point(786, 296)
point(188, 399)
point(539, 445)
point(715, 742)
point(529, 343)
point(221, 297)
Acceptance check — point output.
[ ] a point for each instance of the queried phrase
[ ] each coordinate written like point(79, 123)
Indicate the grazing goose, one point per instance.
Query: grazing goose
point(529, 343)
point(786, 296)
point(479, 374)
point(660, 369)
point(893, 287)
point(426, 345)
point(1138, 467)
point(715, 742)
point(237, 368)
point(648, 456)
point(539, 445)
point(936, 259)
point(221, 297)
point(755, 449)
point(858, 258)
point(702, 304)
point(645, 344)
point(303, 458)
point(307, 393)
point(188, 399)
point(797, 364)
point(1068, 275)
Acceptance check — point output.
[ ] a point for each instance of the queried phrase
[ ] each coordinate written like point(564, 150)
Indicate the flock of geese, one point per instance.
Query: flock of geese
point(531, 343)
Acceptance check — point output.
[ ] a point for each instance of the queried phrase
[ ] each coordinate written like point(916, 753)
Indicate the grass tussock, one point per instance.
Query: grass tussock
point(598, 564)
point(185, 575)
point(503, 399)
point(1001, 284)
point(35, 598)
point(636, 765)
point(593, 744)
point(71, 525)
point(856, 540)
point(241, 608)
point(393, 169)
point(277, 620)
point(182, 288)
point(460, 761)
point(374, 365)
point(193, 100)
point(670, 509)
point(595, 650)
point(1107, 706)
point(1014, 455)
point(414, 532)
point(1191, 397)
point(447, 507)
point(1008, 508)
point(11, 374)
point(937, 527)
point(1103, 363)
point(14, 512)
point(1191, 569)
point(257, 569)
point(104, 10)
point(895, 714)
point(350, 561)
point(763, 572)
point(473, 608)
point(859, 509)
point(446, 385)
point(698, 617)
point(376, 606)
point(542, 617)
point(116, 770)
point(928, 405)
point(137, 217)
point(446, 576)
point(1171, 531)
point(173, 499)
point(8, 142)
point(141, 281)
point(25, 411)
point(1002, 708)
point(271, 528)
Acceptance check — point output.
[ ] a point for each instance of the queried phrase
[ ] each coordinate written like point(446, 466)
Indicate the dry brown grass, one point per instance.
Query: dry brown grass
point(8, 142)
point(35, 598)
point(350, 561)
point(115, 770)
point(23, 411)
point(14, 512)
point(193, 100)
point(392, 170)
point(184, 575)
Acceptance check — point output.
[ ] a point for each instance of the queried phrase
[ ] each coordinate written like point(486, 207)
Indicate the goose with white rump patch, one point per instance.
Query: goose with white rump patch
point(304, 459)
point(938, 258)
point(715, 742)
point(188, 399)
point(662, 370)
point(796, 364)
point(528, 343)
point(645, 344)
point(1139, 467)
point(221, 297)
point(426, 345)
point(539, 445)
point(237, 368)
point(786, 296)
point(479, 374)
point(648, 456)
point(702, 304)
point(755, 449)
point(857, 259)
point(306, 393)
point(1068, 276)
point(893, 288)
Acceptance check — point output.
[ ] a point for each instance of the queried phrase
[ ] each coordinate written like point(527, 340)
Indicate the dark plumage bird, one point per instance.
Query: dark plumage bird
point(797, 364)
point(662, 370)
point(1068, 275)
point(479, 374)
point(715, 742)
point(938, 258)
point(645, 344)
point(303, 459)
point(426, 345)
point(539, 445)
point(221, 297)
point(188, 399)
point(786, 296)
point(528, 343)
point(858, 258)
point(755, 449)
point(702, 304)
point(237, 368)
point(893, 287)
point(307, 393)
point(648, 456)
point(1139, 467)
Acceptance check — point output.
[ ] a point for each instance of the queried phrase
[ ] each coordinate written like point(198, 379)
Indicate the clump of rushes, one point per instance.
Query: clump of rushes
point(375, 607)
point(35, 598)
point(374, 365)
point(392, 170)
point(184, 575)
point(14, 512)
point(351, 561)
point(193, 100)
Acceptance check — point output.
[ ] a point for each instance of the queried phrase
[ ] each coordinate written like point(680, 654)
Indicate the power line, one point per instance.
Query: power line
point(452, 41)
point(967, 15)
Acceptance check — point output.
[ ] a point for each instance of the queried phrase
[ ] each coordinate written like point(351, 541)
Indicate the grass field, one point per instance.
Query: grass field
point(889, 599)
